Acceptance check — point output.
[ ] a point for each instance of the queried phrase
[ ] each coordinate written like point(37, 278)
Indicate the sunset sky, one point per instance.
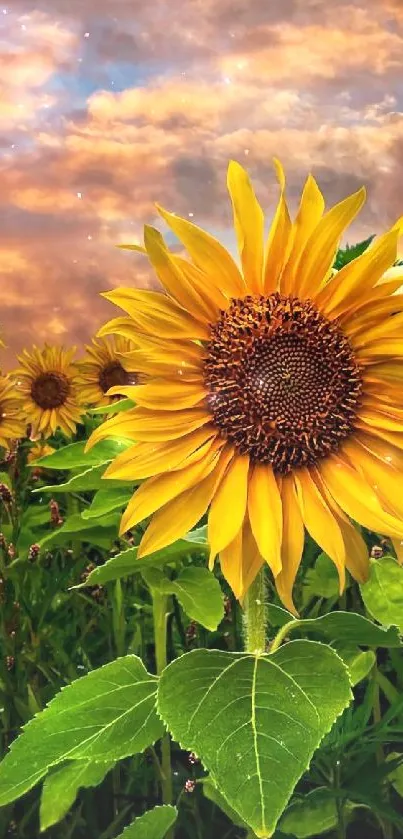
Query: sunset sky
point(107, 106)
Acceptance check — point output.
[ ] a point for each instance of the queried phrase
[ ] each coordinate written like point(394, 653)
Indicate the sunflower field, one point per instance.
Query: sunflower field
point(201, 546)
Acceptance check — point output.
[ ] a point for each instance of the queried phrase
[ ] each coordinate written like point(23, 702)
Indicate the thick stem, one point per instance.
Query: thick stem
point(341, 824)
point(255, 615)
point(160, 603)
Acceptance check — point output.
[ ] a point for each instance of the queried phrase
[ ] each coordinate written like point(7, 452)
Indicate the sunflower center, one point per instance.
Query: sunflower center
point(283, 383)
point(50, 390)
point(113, 375)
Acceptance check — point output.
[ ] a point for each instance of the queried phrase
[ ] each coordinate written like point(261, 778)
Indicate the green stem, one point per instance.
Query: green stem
point(282, 633)
point(255, 615)
point(341, 825)
point(160, 604)
point(387, 828)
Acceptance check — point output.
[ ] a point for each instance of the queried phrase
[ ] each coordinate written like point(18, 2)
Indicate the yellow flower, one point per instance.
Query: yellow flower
point(274, 396)
point(38, 451)
point(102, 369)
point(47, 382)
point(12, 427)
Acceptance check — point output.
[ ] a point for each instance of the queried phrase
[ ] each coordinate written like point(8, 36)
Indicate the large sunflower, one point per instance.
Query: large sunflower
point(102, 368)
point(274, 396)
point(12, 427)
point(47, 380)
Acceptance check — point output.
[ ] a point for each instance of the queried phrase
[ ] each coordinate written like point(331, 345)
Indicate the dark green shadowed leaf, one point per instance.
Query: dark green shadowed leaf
point(255, 722)
point(104, 716)
point(61, 787)
point(339, 626)
point(127, 563)
point(152, 825)
point(76, 524)
point(383, 593)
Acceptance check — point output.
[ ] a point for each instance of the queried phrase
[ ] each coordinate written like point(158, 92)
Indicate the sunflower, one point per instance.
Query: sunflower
point(47, 380)
point(102, 369)
point(39, 450)
point(273, 395)
point(12, 427)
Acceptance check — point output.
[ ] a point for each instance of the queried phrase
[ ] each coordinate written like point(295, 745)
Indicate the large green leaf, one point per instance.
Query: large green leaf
point(73, 456)
point(312, 815)
point(197, 590)
point(61, 786)
point(339, 626)
point(152, 825)
point(113, 408)
point(213, 794)
point(255, 721)
point(127, 563)
point(76, 524)
point(104, 716)
point(84, 482)
point(383, 593)
point(107, 500)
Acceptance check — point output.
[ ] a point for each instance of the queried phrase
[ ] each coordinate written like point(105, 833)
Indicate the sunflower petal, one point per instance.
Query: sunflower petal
point(248, 224)
point(142, 425)
point(292, 543)
point(279, 239)
point(207, 253)
point(154, 312)
point(163, 394)
point(228, 506)
point(177, 517)
point(144, 460)
point(320, 522)
point(319, 252)
point(265, 514)
point(356, 551)
point(309, 214)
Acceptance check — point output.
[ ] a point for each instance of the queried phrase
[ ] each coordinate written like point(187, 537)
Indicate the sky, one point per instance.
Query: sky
point(108, 106)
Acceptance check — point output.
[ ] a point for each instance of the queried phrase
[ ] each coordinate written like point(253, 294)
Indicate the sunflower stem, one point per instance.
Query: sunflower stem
point(255, 615)
point(160, 613)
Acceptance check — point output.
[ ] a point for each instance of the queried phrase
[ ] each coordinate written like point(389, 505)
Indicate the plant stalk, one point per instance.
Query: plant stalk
point(255, 615)
point(160, 604)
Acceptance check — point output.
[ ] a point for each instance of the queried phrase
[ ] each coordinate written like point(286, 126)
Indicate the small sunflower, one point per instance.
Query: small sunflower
point(12, 427)
point(39, 450)
point(47, 380)
point(102, 369)
point(273, 395)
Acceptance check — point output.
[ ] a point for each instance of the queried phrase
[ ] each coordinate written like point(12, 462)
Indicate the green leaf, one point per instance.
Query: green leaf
point(61, 787)
point(312, 815)
point(350, 252)
point(383, 593)
point(127, 563)
point(114, 408)
point(84, 482)
point(340, 626)
point(73, 455)
point(255, 722)
point(213, 794)
point(152, 825)
point(197, 590)
point(358, 662)
point(76, 524)
point(104, 716)
point(322, 580)
point(107, 500)
point(396, 776)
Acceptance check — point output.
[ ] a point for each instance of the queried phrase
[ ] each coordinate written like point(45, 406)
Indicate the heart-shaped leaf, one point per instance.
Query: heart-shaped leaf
point(255, 721)
point(104, 716)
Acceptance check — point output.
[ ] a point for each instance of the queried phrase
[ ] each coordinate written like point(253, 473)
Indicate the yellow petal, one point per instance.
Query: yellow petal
point(383, 329)
point(207, 253)
point(119, 326)
point(308, 217)
point(381, 348)
point(177, 517)
point(359, 274)
point(175, 361)
point(356, 551)
point(377, 419)
point(292, 543)
point(156, 492)
point(248, 224)
point(147, 459)
point(171, 276)
point(163, 394)
point(279, 239)
point(143, 425)
point(228, 507)
point(240, 561)
point(356, 497)
point(265, 514)
point(156, 313)
point(384, 478)
point(369, 315)
point(208, 288)
point(320, 522)
point(319, 252)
